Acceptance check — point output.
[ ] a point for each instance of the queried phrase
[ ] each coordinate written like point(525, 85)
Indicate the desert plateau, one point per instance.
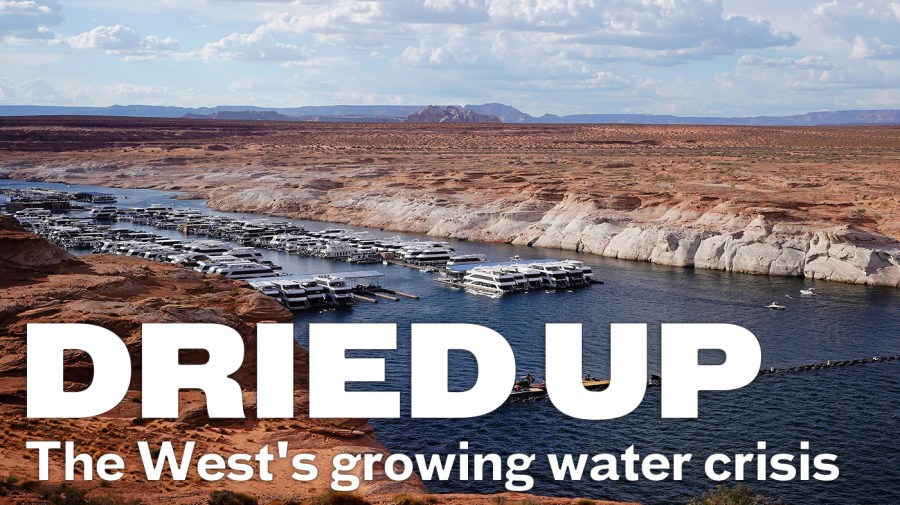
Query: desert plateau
point(814, 202)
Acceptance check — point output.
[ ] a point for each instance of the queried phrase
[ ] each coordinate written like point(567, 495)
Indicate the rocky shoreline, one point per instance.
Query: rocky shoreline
point(752, 241)
point(746, 242)
point(41, 283)
point(818, 203)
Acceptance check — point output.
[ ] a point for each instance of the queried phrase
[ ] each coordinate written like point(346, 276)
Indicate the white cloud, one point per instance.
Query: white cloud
point(643, 24)
point(455, 48)
point(562, 56)
point(122, 40)
point(261, 44)
point(874, 48)
point(28, 19)
point(39, 91)
point(672, 29)
point(74, 91)
point(470, 45)
point(803, 79)
point(319, 63)
point(844, 13)
point(806, 62)
point(456, 12)
point(868, 27)
point(117, 37)
point(608, 80)
point(146, 92)
point(249, 84)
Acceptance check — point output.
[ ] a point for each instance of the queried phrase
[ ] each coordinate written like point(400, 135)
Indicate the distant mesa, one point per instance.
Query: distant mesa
point(429, 114)
point(272, 115)
point(506, 113)
point(242, 115)
point(450, 114)
point(484, 113)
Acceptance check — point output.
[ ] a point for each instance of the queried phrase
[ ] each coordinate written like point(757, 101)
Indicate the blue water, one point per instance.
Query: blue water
point(852, 412)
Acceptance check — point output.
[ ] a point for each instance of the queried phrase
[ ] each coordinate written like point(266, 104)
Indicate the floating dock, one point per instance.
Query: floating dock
point(365, 285)
point(538, 392)
point(38, 210)
point(518, 275)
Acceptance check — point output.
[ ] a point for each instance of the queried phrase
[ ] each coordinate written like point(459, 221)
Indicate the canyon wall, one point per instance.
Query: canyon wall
point(821, 203)
point(675, 233)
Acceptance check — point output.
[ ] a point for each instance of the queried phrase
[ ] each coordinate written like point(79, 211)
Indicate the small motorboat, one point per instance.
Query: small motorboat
point(808, 292)
point(775, 306)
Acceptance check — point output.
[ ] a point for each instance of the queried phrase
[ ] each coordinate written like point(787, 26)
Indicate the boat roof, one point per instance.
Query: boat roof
point(470, 266)
point(354, 275)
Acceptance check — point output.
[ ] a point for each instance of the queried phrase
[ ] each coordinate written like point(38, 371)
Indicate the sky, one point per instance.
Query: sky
point(684, 57)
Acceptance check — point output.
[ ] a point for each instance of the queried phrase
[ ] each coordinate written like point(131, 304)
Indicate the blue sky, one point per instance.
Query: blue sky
point(686, 57)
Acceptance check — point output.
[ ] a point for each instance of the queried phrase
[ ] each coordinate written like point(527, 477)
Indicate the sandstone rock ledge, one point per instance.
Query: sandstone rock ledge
point(681, 233)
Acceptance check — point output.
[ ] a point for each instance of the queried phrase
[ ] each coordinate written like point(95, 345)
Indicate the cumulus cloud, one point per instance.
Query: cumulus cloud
point(874, 48)
point(250, 84)
point(608, 80)
point(37, 91)
point(345, 24)
point(653, 32)
point(147, 92)
point(457, 12)
point(570, 44)
point(28, 19)
point(122, 40)
point(794, 77)
point(456, 48)
point(566, 55)
point(68, 92)
point(261, 44)
point(870, 27)
point(319, 63)
point(673, 29)
point(806, 62)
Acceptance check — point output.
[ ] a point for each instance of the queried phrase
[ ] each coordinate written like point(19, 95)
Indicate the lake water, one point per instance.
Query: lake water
point(853, 412)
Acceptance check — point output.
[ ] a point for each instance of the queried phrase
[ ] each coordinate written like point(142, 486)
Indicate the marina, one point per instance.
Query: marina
point(231, 247)
point(505, 277)
point(334, 289)
point(796, 401)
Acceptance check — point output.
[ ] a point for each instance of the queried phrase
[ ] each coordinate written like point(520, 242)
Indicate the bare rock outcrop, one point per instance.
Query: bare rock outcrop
point(25, 251)
point(739, 243)
point(451, 114)
point(722, 238)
